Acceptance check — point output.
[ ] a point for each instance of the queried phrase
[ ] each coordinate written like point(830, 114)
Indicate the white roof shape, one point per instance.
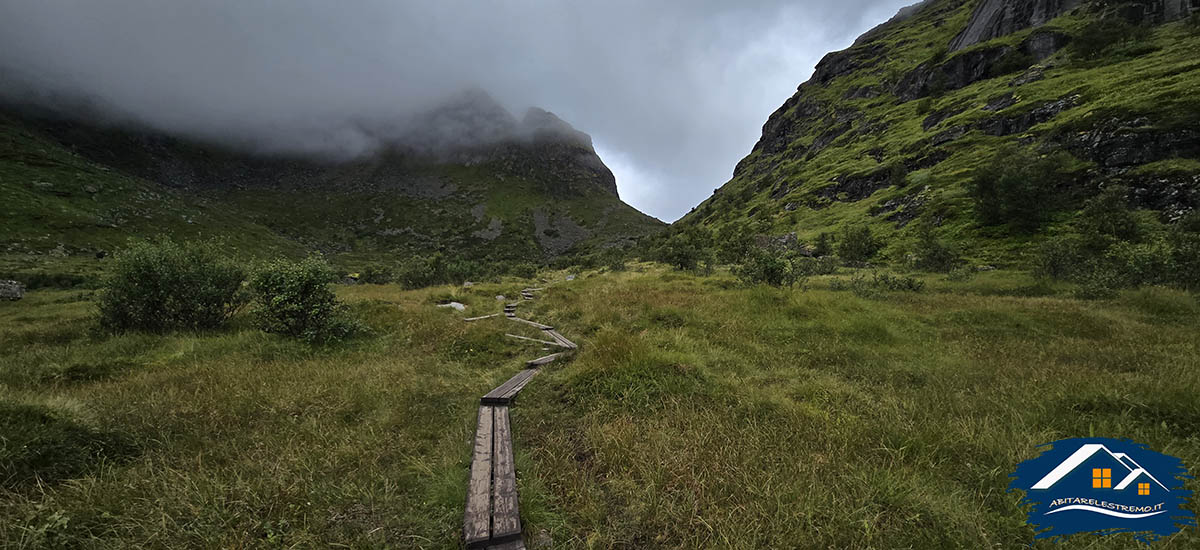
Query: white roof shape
point(1085, 452)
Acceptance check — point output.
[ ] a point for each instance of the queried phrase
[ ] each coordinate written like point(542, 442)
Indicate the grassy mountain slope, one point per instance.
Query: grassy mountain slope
point(889, 131)
point(70, 190)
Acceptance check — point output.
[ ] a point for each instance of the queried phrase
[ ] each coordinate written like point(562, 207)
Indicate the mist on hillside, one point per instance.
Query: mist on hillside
point(675, 91)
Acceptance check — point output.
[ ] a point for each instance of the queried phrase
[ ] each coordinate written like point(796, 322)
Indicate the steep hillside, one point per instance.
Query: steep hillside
point(889, 131)
point(468, 179)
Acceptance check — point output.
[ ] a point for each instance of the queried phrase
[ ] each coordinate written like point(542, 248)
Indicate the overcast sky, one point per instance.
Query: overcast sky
point(673, 92)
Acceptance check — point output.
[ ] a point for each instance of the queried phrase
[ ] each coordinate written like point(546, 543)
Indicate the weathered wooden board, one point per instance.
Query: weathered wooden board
point(504, 393)
point(511, 545)
point(477, 519)
point(543, 360)
point(547, 342)
point(506, 518)
point(532, 324)
point(562, 340)
point(482, 317)
point(512, 391)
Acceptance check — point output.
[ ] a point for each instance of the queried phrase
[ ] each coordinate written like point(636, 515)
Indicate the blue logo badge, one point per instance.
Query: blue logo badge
point(1104, 485)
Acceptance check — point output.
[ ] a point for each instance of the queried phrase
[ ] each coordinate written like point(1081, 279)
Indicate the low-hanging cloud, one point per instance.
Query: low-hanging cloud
point(673, 92)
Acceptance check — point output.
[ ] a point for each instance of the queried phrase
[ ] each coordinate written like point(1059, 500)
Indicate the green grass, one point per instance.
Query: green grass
point(699, 413)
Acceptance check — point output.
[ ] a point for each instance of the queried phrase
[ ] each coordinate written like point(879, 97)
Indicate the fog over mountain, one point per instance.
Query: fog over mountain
point(673, 93)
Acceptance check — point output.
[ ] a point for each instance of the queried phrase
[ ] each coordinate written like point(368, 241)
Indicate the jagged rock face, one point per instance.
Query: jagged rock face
point(995, 18)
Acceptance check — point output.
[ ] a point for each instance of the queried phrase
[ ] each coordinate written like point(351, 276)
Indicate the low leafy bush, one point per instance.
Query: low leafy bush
point(808, 267)
point(1112, 249)
point(293, 298)
point(857, 245)
point(767, 266)
point(865, 287)
point(1094, 39)
point(164, 285)
point(1017, 187)
point(685, 250)
point(933, 254)
point(823, 246)
point(887, 281)
point(377, 274)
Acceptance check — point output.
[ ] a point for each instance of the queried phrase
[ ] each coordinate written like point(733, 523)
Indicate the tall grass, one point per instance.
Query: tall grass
point(699, 413)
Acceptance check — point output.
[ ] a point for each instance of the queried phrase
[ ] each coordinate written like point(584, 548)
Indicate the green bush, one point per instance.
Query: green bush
point(163, 285)
point(377, 274)
point(857, 245)
point(823, 246)
point(1185, 258)
point(766, 266)
point(1017, 187)
point(685, 250)
point(1060, 258)
point(808, 267)
point(293, 299)
point(1097, 37)
point(896, 283)
point(933, 254)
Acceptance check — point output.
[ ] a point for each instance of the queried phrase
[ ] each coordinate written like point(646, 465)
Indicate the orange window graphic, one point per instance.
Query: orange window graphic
point(1143, 488)
point(1102, 478)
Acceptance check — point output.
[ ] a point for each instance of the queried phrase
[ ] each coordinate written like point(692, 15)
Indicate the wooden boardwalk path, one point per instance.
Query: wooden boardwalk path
point(491, 518)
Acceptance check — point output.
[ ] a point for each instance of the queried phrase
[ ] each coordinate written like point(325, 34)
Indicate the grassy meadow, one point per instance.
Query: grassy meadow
point(698, 413)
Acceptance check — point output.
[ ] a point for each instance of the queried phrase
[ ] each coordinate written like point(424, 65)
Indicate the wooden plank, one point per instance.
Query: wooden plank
point(562, 340)
point(517, 544)
point(531, 323)
point(477, 517)
point(504, 393)
point(543, 360)
point(513, 390)
point(506, 518)
point(482, 317)
point(546, 342)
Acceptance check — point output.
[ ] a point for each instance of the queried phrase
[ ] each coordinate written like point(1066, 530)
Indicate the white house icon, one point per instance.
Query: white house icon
point(1086, 452)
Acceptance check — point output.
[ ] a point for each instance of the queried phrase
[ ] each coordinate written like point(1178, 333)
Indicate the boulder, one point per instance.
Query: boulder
point(11, 290)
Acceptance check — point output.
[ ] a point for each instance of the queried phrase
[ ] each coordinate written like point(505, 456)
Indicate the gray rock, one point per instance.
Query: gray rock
point(499, 297)
point(454, 305)
point(995, 18)
point(1032, 74)
point(11, 290)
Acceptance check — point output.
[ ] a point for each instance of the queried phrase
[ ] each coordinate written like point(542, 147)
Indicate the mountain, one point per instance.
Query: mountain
point(890, 131)
point(466, 178)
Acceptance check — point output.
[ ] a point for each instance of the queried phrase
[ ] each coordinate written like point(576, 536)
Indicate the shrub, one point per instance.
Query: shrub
point(857, 245)
point(933, 254)
point(1012, 62)
point(377, 274)
point(686, 249)
point(766, 266)
point(524, 270)
point(925, 105)
point(293, 298)
point(823, 246)
point(1185, 258)
point(164, 285)
point(1017, 187)
point(897, 173)
point(887, 281)
point(1060, 258)
point(807, 267)
point(1098, 36)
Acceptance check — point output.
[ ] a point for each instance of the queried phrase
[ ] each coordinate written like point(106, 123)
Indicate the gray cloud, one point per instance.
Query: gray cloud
point(673, 92)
